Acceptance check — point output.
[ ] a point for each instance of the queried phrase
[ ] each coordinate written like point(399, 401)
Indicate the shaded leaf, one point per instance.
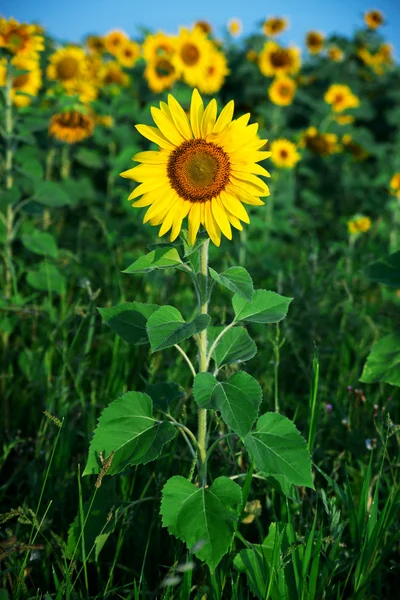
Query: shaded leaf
point(167, 327)
point(386, 270)
point(163, 394)
point(383, 362)
point(47, 279)
point(235, 346)
point(235, 279)
point(129, 320)
point(40, 242)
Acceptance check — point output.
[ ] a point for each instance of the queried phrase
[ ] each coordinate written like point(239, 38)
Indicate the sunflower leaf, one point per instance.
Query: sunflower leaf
point(235, 346)
point(386, 270)
point(383, 362)
point(204, 518)
point(128, 320)
point(161, 258)
point(266, 307)
point(166, 327)
point(235, 279)
point(139, 441)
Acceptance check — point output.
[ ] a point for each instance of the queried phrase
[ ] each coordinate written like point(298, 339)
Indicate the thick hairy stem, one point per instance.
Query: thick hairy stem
point(202, 414)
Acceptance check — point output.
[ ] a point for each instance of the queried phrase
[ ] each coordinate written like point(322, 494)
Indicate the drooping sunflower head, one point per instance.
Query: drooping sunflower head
point(112, 74)
point(274, 60)
point(114, 40)
point(373, 18)
point(160, 74)
point(71, 126)
point(335, 53)
point(341, 97)
point(315, 41)
point(206, 169)
point(395, 185)
point(274, 26)
point(235, 26)
point(205, 26)
point(282, 91)
point(20, 39)
point(128, 54)
point(67, 64)
point(284, 154)
point(359, 224)
point(192, 56)
point(217, 70)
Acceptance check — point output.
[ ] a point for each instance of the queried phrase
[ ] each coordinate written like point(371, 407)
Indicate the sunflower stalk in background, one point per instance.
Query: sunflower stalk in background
point(205, 169)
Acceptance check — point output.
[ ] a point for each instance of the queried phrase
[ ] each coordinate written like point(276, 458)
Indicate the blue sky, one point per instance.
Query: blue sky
point(72, 20)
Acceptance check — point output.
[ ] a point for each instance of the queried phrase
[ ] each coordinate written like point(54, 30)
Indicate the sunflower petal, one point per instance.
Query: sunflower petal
point(154, 135)
point(179, 117)
point(220, 216)
point(225, 117)
point(234, 206)
point(212, 227)
point(149, 186)
point(194, 222)
point(209, 118)
point(196, 113)
point(167, 127)
point(151, 157)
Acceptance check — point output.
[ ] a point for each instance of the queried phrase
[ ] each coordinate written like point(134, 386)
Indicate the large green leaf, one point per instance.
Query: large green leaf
point(128, 320)
point(47, 278)
point(204, 518)
point(383, 362)
point(127, 428)
point(266, 307)
point(166, 327)
point(277, 448)
point(40, 242)
point(236, 279)
point(89, 158)
point(237, 399)
point(164, 393)
point(235, 346)
point(161, 258)
point(50, 193)
point(386, 270)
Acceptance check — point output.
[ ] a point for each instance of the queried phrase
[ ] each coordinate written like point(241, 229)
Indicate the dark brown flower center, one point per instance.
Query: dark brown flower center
point(198, 170)
point(280, 58)
point(164, 68)
point(21, 80)
point(190, 54)
point(67, 68)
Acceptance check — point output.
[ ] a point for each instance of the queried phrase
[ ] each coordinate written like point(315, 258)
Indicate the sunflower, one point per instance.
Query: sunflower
point(157, 45)
point(20, 39)
point(315, 41)
point(86, 91)
point(71, 126)
point(27, 83)
point(252, 56)
point(235, 26)
point(217, 70)
point(354, 148)
point(67, 64)
point(95, 44)
point(206, 169)
point(128, 54)
point(114, 40)
point(275, 60)
point(284, 154)
point(320, 143)
point(192, 56)
point(282, 91)
point(274, 26)
point(112, 74)
point(160, 74)
point(395, 185)
point(205, 26)
point(359, 224)
point(344, 119)
point(341, 97)
point(373, 19)
point(335, 53)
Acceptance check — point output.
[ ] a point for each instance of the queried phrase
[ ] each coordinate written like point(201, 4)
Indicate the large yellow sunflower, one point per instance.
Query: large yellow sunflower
point(160, 74)
point(373, 19)
point(29, 82)
point(282, 91)
point(205, 169)
point(315, 41)
point(71, 126)
point(67, 64)
point(284, 154)
point(192, 56)
point(20, 39)
point(275, 60)
point(341, 97)
point(217, 70)
point(274, 26)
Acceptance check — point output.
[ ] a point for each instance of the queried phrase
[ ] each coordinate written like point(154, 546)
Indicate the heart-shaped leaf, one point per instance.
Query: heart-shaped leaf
point(235, 346)
point(166, 327)
point(266, 307)
point(128, 320)
point(235, 279)
point(161, 258)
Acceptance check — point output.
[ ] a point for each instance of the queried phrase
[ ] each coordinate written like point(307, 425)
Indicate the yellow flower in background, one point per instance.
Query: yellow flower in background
point(28, 82)
point(359, 224)
point(274, 26)
point(192, 56)
point(114, 40)
point(335, 53)
point(395, 185)
point(252, 56)
point(112, 74)
point(205, 26)
point(85, 90)
point(128, 54)
point(20, 39)
point(373, 19)
point(158, 45)
point(104, 120)
point(341, 97)
point(217, 70)
point(67, 64)
point(344, 119)
point(235, 26)
point(315, 41)
point(319, 143)
point(205, 169)
point(71, 126)
point(95, 44)
point(284, 154)
point(354, 148)
point(275, 60)
point(282, 91)
point(160, 74)
point(383, 57)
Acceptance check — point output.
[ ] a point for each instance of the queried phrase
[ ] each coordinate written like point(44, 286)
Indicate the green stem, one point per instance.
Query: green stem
point(65, 162)
point(202, 413)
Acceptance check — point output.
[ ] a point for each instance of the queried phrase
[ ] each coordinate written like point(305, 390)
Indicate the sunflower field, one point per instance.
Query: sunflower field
point(199, 388)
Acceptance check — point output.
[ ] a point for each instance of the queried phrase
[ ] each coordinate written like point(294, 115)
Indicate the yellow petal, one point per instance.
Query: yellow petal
point(235, 222)
point(152, 157)
point(145, 200)
point(212, 227)
point(154, 135)
point(225, 117)
point(143, 173)
point(149, 186)
point(255, 189)
point(196, 113)
point(219, 214)
point(160, 208)
point(250, 168)
point(180, 119)
point(209, 118)
point(166, 126)
point(177, 224)
point(234, 206)
point(194, 222)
